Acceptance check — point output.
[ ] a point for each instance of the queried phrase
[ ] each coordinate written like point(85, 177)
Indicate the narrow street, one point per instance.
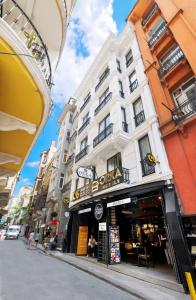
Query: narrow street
point(30, 274)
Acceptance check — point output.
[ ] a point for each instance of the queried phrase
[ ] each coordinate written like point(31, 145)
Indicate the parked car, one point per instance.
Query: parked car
point(12, 232)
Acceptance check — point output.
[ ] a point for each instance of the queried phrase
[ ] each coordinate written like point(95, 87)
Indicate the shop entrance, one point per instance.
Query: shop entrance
point(142, 233)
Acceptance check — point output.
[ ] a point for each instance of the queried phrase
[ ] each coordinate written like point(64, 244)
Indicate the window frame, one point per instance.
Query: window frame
point(117, 161)
point(129, 58)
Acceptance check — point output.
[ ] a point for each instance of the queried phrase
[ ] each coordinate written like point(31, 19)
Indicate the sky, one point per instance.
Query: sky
point(89, 26)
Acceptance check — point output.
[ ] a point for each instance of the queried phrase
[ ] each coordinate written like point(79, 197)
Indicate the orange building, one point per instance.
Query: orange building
point(166, 32)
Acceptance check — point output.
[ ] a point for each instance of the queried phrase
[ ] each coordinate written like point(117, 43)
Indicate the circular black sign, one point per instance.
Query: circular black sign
point(98, 212)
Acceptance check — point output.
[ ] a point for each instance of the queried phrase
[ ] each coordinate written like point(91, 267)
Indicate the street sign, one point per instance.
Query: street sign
point(102, 226)
point(85, 172)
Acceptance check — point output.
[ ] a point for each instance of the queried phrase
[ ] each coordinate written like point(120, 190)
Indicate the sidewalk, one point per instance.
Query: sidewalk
point(138, 283)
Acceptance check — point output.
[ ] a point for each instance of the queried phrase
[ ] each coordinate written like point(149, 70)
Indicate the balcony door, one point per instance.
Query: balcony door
point(104, 123)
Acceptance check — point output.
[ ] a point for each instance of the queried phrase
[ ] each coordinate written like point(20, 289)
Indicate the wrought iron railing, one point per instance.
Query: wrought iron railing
point(84, 125)
point(86, 100)
point(125, 126)
point(102, 78)
point(171, 62)
point(133, 85)
point(73, 136)
point(24, 28)
point(82, 153)
point(139, 118)
point(129, 61)
point(157, 34)
point(146, 168)
point(103, 103)
point(149, 14)
point(103, 135)
point(126, 175)
point(184, 110)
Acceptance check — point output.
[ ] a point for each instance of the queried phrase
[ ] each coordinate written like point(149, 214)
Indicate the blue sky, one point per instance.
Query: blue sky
point(79, 51)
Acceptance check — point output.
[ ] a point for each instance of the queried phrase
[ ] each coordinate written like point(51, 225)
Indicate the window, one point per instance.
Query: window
point(61, 181)
point(68, 135)
point(129, 58)
point(103, 96)
point(83, 144)
point(124, 121)
point(85, 118)
point(138, 112)
point(104, 123)
point(121, 89)
point(85, 101)
point(156, 26)
point(118, 66)
point(114, 162)
point(170, 54)
point(77, 182)
point(64, 156)
point(144, 147)
point(71, 118)
point(133, 81)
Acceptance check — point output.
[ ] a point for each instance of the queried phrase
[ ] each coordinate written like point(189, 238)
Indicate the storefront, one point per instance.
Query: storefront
point(139, 225)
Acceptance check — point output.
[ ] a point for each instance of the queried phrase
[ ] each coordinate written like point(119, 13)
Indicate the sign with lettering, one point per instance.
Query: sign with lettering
point(106, 181)
point(119, 202)
point(85, 172)
point(102, 226)
point(150, 159)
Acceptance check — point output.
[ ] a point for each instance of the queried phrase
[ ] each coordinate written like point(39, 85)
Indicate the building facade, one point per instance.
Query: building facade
point(31, 42)
point(121, 183)
point(166, 36)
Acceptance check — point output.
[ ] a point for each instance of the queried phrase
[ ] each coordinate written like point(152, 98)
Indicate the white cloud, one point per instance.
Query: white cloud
point(91, 24)
point(26, 181)
point(33, 164)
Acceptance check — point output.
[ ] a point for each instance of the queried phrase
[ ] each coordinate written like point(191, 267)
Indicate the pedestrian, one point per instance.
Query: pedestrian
point(31, 239)
point(37, 236)
point(53, 242)
point(91, 246)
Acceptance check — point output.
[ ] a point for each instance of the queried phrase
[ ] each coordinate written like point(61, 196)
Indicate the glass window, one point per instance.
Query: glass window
point(132, 77)
point(156, 26)
point(123, 114)
point(71, 118)
point(114, 162)
point(139, 115)
point(144, 147)
point(64, 156)
point(85, 118)
point(169, 54)
point(129, 58)
point(121, 88)
point(103, 96)
point(118, 65)
point(61, 181)
point(83, 144)
point(77, 182)
point(104, 123)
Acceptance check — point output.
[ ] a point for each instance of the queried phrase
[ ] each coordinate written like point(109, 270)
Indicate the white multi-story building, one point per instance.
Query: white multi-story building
point(118, 142)
point(32, 35)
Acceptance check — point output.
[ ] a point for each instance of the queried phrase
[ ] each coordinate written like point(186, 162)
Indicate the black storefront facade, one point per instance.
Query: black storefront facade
point(128, 222)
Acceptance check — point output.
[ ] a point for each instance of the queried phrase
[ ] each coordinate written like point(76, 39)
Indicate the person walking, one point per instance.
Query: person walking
point(91, 246)
point(31, 239)
point(36, 238)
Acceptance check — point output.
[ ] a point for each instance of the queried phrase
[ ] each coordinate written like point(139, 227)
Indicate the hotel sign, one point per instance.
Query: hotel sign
point(106, 181)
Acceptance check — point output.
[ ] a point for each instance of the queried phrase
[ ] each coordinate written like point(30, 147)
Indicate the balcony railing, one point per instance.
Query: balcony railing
point(170, 63)
point(103, 135)
point(102, 78)
point(139, 118)
point(87, 99)
point(84, 125)
point(103, 103)
point(24, 28)
point(73, 136)
point(184, 110)
point(125, 126)
point(126, 175)
point(149, 14)
point(133, 85)
point(157, 34)
point(147, 169)
point(82, 153)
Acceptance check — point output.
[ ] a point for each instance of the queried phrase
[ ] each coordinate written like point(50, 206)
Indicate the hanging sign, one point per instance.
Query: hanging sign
point(119, 202)
point(150, 159)
point(85, 173)
point(98, 212)
point(83, 211)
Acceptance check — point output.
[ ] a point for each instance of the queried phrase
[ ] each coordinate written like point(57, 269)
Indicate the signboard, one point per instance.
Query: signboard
point(114, 245)
point(102, 226)
point(83, 211)
point(150, 159)
point(85, 173)
point(106, 181)
point(98, 212)
point(82, 240)
point(119, 202)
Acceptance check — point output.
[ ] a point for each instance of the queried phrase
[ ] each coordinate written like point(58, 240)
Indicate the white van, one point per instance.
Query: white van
point(12, 232)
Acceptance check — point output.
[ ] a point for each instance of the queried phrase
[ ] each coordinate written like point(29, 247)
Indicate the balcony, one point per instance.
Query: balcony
point(103, 135)
point(125, 126)
point(157, 34)
point(146, 168)
point(25, 30)
point(103, 103)
point(81, 154)
point(86, 101)
point(139, 118)
point(170, 63)
point(126, 175)
point(84, 125)
point(133, 85)
point(149, 14)
point(102, 78)
point(184, 110)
